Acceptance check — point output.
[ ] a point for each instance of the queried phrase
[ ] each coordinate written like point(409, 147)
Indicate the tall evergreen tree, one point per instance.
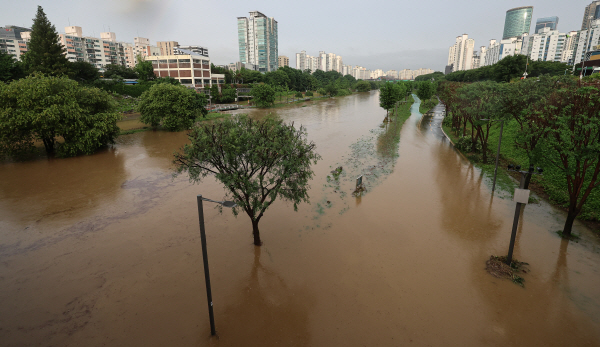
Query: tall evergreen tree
point(45, 53)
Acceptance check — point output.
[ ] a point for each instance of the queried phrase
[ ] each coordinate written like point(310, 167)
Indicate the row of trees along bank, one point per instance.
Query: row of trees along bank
point(550, 122)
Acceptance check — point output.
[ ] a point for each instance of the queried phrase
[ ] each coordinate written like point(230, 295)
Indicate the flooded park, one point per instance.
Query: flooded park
point(105, 249)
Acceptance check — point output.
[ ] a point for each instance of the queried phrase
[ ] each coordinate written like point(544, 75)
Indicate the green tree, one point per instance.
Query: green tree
point(177, 107)
point(425, 90)
point(563, 130)
point(263, 95)
point(215, 96)
point(256, 161)
point(228, 94)
point(331, 90)
point(480, 101)
point(82, 71)
point(115, 71)
point(363, 86)
point(46, 108)
point(387, 98)
point(144, 69)
point(45, 54)
point(10, 68)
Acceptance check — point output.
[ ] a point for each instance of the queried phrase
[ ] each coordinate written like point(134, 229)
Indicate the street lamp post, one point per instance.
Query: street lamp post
point(205, 256)
point(497, 152)
point(524, 184)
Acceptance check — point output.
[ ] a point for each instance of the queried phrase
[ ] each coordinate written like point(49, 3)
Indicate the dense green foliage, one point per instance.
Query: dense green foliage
point(45, 54)
point(44, 108)
point(144, 69)
point(177, 107)
point(425, 90)
point(551, 122)
point(82, 71)
point(10, 68)
point(363, 86)
point(437, 76)
point(263, 95)
point(115, 71)
point(509, 68)
point(256, 161)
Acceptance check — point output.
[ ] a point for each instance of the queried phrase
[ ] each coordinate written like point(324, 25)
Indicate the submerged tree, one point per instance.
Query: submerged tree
point(569, 121)
point(176, 106)
point(387, 98)
point(257, 162)
point(67, 117)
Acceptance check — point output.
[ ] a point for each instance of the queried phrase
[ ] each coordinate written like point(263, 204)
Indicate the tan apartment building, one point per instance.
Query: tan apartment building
point(191, 69)
point(284, 61)
point(166, 47)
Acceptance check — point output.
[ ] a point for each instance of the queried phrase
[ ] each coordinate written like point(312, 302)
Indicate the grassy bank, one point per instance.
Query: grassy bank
point(552, 185)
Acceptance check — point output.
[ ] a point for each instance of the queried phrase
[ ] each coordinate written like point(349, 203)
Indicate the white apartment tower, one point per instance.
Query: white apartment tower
point(460, 55)
point(545, 45)
point(301, 59)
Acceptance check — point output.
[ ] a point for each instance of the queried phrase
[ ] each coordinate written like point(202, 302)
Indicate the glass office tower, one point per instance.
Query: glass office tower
point(518, 22)
point(547, 22)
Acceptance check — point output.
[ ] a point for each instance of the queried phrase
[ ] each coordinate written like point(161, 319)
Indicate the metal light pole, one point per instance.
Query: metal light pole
point(205, 256)
point(524, 184)
point(497, 152)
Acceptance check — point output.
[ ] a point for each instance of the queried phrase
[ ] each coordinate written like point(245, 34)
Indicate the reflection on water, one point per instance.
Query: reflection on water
point(266, 304)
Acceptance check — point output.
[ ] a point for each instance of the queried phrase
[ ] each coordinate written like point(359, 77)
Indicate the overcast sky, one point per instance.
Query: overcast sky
point(374, 34)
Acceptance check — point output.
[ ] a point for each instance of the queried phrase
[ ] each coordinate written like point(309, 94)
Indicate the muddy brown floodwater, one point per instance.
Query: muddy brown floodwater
point(104, 250)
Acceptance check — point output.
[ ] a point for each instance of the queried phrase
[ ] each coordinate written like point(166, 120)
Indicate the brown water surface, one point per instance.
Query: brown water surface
point(105, 250)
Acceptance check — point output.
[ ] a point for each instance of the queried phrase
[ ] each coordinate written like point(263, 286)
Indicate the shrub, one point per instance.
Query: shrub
point(309, 93)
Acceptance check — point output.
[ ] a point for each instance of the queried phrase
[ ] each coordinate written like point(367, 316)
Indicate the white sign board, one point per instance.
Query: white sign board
point(521, 196)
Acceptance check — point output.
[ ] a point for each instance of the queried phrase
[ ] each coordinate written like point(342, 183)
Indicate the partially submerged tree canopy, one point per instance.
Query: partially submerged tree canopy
point(257, 162)
point(177, 107)
point(49, 108)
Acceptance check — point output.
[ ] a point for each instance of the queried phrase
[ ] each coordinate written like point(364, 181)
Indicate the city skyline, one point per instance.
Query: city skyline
point(386, 38)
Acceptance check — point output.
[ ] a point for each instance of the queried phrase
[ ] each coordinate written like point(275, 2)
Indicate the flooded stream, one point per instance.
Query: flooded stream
point(105, 249)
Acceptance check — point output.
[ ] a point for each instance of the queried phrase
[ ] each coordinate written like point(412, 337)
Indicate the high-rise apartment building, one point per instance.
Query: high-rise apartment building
point(392, 74)
point(497, 51)
point(546, 22)
point(13, 40)
point(545, 45)
point(142, 47)
point(591, 13)
point(460, 55)
point(569, 47)
point(96, 51)
point(283, 61)
point(166, 47)
point(301, 60)
point(587, 40)
point(517, 22)
point(258, 41)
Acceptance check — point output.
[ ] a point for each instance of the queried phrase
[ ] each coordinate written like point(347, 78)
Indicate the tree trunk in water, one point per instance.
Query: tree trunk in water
point(49, 145)
point(256, 233)
point(571, 215)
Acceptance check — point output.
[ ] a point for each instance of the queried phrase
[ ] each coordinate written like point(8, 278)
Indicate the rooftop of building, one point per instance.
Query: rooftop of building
point(519, 8)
